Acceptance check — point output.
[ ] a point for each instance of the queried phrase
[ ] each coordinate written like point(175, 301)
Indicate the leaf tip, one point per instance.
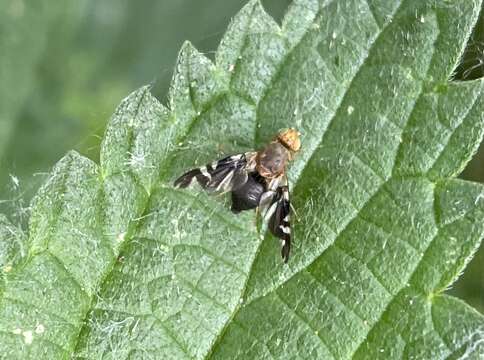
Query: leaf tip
point(187, 48)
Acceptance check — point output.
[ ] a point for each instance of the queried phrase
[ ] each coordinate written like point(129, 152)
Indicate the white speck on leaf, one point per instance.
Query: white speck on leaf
point(17, 331)
point(28, 337)
point(120, 237)
point(39, 329)
point(350, 110)
point(136, 160)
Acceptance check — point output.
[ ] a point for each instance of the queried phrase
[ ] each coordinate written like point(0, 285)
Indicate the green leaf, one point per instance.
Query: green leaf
point(122, 265)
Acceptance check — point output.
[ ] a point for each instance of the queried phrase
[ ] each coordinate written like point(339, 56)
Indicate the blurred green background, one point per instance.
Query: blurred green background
point(65, 65)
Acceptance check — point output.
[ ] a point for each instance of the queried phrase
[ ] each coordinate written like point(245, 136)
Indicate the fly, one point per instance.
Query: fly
point(256, 179)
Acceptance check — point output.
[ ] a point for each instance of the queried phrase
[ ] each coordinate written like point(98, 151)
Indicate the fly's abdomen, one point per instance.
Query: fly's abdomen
point(248, 196)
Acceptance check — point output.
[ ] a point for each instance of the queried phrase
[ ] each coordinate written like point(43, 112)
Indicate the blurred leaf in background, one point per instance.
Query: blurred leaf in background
point(24, 36)
point(64, 66)
point(30, 124)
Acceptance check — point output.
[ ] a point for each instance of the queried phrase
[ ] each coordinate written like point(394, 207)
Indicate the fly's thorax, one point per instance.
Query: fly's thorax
point(272, 160)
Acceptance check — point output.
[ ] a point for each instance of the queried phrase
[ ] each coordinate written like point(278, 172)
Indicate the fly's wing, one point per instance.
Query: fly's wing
point(276, 210)
point(221, 176)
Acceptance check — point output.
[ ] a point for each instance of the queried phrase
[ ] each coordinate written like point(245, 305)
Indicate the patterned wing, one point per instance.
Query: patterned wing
point(277, 211)
point(221, 176)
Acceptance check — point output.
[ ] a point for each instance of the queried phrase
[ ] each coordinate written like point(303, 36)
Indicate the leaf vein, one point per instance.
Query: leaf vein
point(307, 323)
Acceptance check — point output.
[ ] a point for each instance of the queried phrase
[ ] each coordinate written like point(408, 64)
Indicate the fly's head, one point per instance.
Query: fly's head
point(289, 138)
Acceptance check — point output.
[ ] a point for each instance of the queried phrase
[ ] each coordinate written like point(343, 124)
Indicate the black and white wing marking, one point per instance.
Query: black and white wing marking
point(221, 176)
point(278, 213)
